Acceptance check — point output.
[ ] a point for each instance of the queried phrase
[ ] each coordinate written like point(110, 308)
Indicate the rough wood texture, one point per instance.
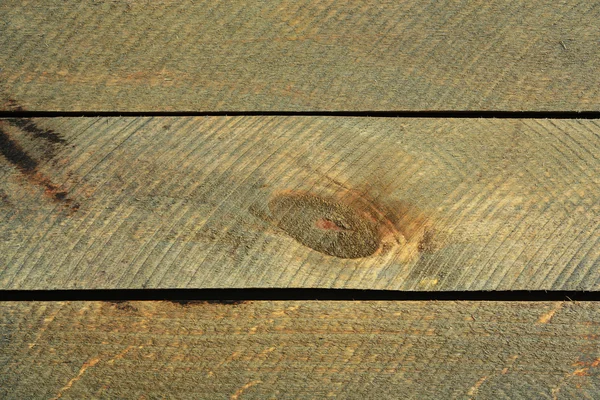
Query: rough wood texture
point(300, 350)
point(138, 55)
point(412, 204)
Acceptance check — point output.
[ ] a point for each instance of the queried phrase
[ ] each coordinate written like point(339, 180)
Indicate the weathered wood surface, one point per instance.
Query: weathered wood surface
point(205, 202)
point(135, 55)
point(300, 350)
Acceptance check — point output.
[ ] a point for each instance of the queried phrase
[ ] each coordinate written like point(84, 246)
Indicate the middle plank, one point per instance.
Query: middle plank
point(327, 202)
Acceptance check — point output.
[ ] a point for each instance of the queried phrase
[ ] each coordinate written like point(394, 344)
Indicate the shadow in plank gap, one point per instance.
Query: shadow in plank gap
point(20, 113)
point(437, 204)
point(233, 296)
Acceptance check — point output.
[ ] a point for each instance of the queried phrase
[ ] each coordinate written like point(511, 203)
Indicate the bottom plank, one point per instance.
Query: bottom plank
point(298, 349)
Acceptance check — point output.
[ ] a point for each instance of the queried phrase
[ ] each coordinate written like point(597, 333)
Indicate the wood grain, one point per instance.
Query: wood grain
point(300, 350)
point(136, 55)
point(206, 202)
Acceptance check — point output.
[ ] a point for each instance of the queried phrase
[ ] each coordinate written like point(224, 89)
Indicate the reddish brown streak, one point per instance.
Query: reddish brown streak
point(326, 224)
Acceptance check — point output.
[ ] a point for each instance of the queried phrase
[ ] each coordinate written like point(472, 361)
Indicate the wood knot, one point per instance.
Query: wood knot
point(336, 227)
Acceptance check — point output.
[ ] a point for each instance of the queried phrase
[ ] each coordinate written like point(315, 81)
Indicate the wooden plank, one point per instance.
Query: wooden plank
point(192, 205)
point(295, 349)
point(135, 55)
point(206, 202)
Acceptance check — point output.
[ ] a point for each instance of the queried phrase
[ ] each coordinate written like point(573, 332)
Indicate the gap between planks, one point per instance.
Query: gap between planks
point(290, 294)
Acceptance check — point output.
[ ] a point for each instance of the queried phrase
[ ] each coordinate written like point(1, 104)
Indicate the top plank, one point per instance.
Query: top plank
point(134, 55)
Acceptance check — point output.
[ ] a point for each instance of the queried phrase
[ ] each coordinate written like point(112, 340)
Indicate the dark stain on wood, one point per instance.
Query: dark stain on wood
point(124, 306)
point(50, 140)
point(29, 126)
point(13, 105)
point(28, 166)
point(4, 201)
point(15, 155)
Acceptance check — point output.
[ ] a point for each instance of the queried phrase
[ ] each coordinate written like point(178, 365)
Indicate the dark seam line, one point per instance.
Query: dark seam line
point(375, 114)
point(290, 294)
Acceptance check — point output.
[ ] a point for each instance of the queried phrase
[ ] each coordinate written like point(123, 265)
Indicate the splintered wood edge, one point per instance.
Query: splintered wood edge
point(323, 202)
point(297, 349)
point(299, 56)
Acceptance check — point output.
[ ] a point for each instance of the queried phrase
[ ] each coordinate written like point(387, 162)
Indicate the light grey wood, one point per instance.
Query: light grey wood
point(411, 204)
point(138, 55)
